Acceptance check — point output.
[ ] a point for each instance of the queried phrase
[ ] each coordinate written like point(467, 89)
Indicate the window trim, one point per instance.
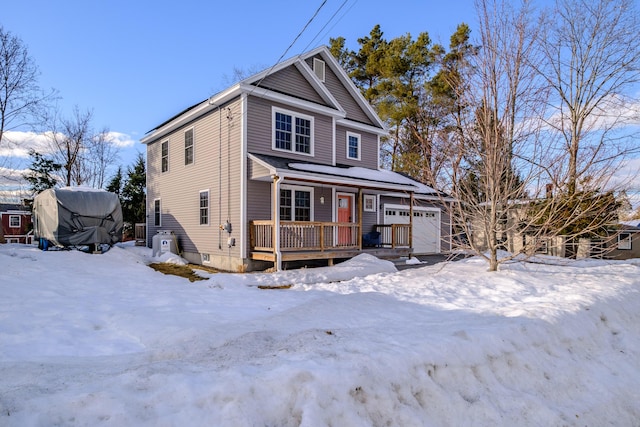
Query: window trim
point(369, 198)
point(11, 217)
point(293, 189)
point(193, 146)
point(294, 115)
point(359, 148)
point(157, 213)
point(319, 68)
point(625, 244)
point(164, 157)
point(208, 208)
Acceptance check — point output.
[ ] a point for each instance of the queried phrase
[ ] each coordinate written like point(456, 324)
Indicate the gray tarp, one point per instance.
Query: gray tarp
point(76, 216)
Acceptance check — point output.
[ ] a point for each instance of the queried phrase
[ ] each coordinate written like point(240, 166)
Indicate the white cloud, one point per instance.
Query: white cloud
point(120, 140)
point(18, 144)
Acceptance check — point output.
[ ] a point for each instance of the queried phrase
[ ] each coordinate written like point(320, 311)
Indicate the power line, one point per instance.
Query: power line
point(293, 42)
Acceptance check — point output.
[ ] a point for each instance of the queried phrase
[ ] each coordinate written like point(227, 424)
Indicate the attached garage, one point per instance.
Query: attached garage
point(426, 226)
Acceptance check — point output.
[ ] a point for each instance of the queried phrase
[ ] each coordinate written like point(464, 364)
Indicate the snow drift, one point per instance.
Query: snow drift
point(108, 341)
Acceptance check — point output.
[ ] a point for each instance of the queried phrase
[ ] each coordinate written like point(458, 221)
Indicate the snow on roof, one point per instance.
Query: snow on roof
point(379, 175)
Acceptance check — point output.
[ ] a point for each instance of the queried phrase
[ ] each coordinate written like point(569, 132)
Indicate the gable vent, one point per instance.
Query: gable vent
point(318, 68)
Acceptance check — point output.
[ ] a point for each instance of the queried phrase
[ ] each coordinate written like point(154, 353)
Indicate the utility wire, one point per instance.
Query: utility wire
point(293, 42)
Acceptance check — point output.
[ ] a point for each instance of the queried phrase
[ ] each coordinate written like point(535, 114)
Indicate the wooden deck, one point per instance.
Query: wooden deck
point(308, 240)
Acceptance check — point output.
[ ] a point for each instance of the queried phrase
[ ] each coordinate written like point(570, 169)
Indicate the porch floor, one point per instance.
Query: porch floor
point(384, 253)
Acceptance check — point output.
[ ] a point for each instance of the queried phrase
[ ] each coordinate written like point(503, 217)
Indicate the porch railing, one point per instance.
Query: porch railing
point(321, 236)
point(305, 235)
point(393, 235)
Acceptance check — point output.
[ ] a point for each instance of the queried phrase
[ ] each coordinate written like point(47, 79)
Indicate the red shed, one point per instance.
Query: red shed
point(16, 225)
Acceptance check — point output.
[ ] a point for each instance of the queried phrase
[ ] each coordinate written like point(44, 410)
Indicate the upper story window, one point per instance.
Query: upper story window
point(318, 68)
point(188, 147)
point(353, 146)
point(157, 218)
point(14, 221)
point(295, 204)
point(292, 132)
point(204, 207)
point(165, 156)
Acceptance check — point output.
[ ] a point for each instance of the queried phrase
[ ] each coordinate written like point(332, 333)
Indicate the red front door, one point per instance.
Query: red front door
point(345, 209)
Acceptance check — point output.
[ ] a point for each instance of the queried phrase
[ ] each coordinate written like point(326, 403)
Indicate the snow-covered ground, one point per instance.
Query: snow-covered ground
point(104, 340)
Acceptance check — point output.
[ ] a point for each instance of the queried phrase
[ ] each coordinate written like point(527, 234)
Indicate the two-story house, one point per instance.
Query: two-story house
point(284, 166)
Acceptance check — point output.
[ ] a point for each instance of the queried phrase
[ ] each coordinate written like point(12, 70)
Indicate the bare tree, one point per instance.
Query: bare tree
point(496, 138)
point(592, 65)
point(102, 154)
point(85, 155)
point(20, 95)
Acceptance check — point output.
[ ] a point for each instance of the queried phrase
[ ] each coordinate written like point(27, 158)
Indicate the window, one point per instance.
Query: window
point(624, 241)
point(353, 146)
point(188, 147)
point(165, 156)
point(14, 221)
point(156, 213)
point(369, 203)
point(318, 68)
point(292, 132)
point(295, 204)
point(204, 207)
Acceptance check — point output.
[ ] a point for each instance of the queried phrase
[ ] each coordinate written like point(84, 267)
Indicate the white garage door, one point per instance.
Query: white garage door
point(426, 226)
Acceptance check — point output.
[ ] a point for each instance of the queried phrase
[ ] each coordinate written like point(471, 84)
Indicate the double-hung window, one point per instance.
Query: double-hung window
point(14, 221)
point(204, 207)
point(188, 147)
point(353, 146)
point(292, 132)
point(165, 156)
point(295, 204)
point(157, 219)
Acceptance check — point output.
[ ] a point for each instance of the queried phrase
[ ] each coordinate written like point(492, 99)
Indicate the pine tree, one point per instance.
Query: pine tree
point(41, 173)
point(115, 185)
point(134, 192)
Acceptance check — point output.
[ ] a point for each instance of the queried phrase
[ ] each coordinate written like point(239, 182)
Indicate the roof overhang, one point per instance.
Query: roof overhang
point(295, 171)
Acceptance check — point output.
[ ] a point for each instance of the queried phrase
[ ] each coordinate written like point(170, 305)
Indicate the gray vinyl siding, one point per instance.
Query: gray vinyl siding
point(343, 96)
point(260, 125)
point(292, 82)
point(259, 200)
point(368, 148)
point(179, 188)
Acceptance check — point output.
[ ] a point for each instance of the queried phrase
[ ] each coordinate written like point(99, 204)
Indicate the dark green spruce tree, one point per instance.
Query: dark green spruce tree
point(133, 194)
point(41, 175)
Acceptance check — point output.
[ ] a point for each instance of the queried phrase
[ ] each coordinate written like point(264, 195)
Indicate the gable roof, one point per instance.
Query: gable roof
point(251, 86)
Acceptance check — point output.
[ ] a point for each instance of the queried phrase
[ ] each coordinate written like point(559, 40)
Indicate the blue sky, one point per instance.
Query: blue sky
point(137, 63)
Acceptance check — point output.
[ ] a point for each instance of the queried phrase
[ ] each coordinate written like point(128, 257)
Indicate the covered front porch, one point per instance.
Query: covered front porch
point(302, 240)
point(321, 212)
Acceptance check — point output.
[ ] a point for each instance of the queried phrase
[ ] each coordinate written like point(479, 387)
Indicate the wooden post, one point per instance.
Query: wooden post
point(360, 210)
point(411, 222)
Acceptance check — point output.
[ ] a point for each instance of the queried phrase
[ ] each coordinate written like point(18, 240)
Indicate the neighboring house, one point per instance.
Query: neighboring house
point(284, 166)
point(625, 241)
point(16, 223)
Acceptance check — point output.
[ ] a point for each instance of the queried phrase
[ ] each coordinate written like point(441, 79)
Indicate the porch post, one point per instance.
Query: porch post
point(277, 262)
point(411, 220)
point(360, 218)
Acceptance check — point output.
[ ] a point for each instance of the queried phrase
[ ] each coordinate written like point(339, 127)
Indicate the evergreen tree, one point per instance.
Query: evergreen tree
point(133, 192)
point(115, 185)
point(41, 175)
